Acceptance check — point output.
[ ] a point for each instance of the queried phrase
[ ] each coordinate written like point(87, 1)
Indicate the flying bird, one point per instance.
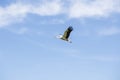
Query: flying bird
point(66, 34)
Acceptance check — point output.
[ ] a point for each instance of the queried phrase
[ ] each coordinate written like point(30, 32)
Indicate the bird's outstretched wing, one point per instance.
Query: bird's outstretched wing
point(67, 33)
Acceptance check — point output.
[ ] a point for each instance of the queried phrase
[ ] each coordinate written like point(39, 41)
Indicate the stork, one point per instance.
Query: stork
point(66, 34)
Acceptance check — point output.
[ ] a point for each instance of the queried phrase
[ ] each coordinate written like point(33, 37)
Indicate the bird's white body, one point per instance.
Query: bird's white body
point(61, 37)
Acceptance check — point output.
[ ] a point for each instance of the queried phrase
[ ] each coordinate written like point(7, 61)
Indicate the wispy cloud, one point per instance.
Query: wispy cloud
point(91, 58)
point(109, 31)
point(19, 31)
point(22, 31)
point(100, 31)
point(102, 58)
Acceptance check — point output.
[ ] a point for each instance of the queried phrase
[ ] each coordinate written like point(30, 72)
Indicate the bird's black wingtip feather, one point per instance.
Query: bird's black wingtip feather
point(70, 28)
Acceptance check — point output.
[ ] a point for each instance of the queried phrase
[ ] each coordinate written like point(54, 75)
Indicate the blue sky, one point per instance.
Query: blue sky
point(29, 49)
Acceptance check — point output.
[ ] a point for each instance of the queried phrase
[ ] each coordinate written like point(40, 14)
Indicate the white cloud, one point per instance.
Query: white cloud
point(16, 12)
point(52, 21)
point(47, 8)
point(109, 31)
point(94, 8)
point(12, 13)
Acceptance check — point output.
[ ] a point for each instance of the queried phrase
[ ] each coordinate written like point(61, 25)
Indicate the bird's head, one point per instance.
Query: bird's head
point(59, 36)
